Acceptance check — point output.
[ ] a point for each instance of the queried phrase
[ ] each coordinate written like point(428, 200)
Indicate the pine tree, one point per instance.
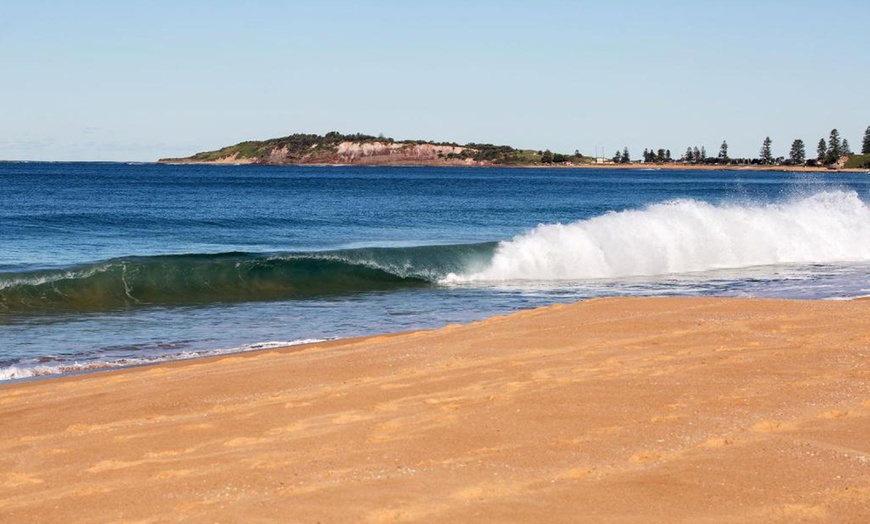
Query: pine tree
point(625, 156)
point(835, 149)
point(660, 155)
point(617, 157)
point(703, 154)
point(690, 156)
point(846, 149)
point(668, 155)
point(723, 152)
point(865, 147)
point(798, 153)
point(821, 150)
point(766, 155)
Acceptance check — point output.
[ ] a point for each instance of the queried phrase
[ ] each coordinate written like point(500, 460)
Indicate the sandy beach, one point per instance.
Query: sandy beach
point(626, 410)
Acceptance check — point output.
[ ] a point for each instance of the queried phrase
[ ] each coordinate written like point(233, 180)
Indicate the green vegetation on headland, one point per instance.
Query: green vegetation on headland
point(858, 162)
point(336, 148)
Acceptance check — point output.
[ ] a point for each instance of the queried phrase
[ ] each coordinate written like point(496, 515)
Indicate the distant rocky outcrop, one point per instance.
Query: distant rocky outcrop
point(358, 149)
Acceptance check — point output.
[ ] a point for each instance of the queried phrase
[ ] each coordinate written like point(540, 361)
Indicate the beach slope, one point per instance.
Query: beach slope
point(629, 410)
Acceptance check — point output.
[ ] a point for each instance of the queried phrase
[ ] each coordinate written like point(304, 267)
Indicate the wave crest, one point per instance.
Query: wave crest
point(684, 236)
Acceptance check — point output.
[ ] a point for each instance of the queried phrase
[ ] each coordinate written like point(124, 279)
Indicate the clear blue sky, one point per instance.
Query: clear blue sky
point(139, 80)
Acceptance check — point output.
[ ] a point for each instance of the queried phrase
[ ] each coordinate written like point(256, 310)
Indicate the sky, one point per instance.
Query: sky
point(140, 80)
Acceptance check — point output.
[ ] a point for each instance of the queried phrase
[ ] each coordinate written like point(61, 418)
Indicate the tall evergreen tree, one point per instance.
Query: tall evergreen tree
point(766, 155)
point(821, 150)
point(798, 153)
point(690, 156)
point(625, 156)
point(703, 154)
point(835, 149)
point(668, 155)
point(865, 147)
point(723, 152)
point(617, 157)
point(660, 155)
point(846, 149)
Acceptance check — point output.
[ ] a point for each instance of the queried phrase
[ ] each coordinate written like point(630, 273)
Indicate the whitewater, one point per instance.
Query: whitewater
point(683, 236)
point(175, 262)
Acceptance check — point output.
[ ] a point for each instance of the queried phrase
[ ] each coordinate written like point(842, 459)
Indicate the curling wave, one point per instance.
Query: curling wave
point(232, 277)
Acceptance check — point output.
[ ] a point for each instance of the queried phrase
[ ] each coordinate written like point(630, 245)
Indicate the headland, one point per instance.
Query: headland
point(359, 149)
point(336, 149)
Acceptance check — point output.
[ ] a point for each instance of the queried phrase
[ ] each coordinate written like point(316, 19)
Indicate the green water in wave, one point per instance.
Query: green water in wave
point(233, 277)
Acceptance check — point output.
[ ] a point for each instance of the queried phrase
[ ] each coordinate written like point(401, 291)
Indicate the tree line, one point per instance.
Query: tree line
point(828, 152)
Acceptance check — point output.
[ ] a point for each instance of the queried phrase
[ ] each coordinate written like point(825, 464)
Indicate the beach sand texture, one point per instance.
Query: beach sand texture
point(626, 410)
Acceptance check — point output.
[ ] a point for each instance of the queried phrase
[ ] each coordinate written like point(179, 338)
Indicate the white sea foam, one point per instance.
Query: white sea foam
point(684, 236)
point(21, 371)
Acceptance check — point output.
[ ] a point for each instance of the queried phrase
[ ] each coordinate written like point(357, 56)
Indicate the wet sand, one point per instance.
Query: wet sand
point(628, 410)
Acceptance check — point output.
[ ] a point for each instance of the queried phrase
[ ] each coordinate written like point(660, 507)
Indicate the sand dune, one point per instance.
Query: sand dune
point(629, 410)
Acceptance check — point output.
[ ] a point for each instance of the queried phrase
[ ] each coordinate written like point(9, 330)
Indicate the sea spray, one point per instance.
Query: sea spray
point(685, 235)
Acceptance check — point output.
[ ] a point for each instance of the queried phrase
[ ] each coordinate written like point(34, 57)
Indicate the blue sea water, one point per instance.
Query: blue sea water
point(110, 264)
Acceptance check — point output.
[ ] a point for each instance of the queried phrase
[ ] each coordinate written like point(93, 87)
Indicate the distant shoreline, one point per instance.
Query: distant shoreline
point(335, 148)
point(636, 167)
point(714, 167)
point(614, 167)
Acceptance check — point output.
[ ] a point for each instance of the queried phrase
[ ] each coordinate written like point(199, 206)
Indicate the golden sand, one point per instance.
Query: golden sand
point(627, 410)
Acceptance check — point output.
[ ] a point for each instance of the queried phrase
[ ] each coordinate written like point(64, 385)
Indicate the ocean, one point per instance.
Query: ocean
point(110, 264)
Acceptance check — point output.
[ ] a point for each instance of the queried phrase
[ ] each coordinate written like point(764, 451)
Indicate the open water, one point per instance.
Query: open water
point(111, 264)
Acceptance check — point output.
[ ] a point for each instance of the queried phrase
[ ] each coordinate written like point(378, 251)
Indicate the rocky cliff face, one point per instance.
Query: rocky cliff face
point(398, 153)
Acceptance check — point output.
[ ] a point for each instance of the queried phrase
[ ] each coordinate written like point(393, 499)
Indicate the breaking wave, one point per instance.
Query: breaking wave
point(674, 237)
point(682, 236)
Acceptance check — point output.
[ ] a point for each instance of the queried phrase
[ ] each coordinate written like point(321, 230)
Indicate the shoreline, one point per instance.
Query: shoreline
point(10, 374)
point(640, 167)
point(642, 409)
point(61, 370)
point(633, 166)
